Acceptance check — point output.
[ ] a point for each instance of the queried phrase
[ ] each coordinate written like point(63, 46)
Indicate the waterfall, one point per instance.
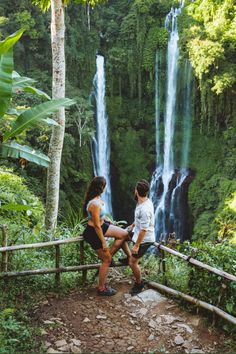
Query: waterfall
point(187, 122)
point(157, 107)
point(167, 182)
point(101, 147)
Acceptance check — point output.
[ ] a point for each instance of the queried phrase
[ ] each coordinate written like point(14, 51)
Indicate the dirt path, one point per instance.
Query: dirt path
point(150, 322)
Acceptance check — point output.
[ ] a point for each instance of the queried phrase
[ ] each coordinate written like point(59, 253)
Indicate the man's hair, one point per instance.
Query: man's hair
point(143, 187)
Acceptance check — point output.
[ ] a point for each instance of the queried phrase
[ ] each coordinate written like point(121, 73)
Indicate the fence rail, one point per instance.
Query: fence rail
point(195, 262)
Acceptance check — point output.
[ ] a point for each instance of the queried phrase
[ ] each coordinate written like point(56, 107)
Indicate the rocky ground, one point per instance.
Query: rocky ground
point(82, 322)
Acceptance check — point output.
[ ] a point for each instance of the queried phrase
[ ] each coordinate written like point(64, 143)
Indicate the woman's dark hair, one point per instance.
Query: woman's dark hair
point(143, 187)
point(95, 189)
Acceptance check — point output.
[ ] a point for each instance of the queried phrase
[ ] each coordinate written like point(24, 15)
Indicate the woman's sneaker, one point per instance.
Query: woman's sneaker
point(107, 291)
point(137, 288)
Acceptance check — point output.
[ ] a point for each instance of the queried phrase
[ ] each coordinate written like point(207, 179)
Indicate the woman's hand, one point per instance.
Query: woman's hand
point(104, 245)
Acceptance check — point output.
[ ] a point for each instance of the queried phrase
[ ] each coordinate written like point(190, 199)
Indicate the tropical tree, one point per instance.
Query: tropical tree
point(58, 91)
point(14, 121)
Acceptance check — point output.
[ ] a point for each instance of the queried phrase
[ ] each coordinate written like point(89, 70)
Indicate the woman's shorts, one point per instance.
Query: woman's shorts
point(91, 236)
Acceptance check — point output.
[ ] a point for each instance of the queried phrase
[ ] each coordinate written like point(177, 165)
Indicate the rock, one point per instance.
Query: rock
point(168, 307)
point(195, 321)
point(151, 337)
point(101, 317)
point(169, 319)
point(150, 295)
point(138, 328)
point(43, 332)
point(76, 342)
point(64, 348)
point(86, 320)
point(179, 340)
point(152, 324)
point(75, 349)
point(130, 348)
point(187, 345)
point(133, 315)
point(197, 351)
point(143, 311)
point(48, 322)
point(55, 319)
point(60, 343)
point(47, 344)
point(158, 320)
point(51, 350)
point(188, 329)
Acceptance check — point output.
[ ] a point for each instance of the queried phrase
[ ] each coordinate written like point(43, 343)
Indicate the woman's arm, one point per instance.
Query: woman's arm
point(95, 213)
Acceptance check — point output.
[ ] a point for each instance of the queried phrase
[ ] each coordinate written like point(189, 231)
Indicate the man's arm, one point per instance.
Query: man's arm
point(141, 236)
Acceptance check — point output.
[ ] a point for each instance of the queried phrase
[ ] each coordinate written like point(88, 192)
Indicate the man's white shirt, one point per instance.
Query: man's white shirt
point(144, 220)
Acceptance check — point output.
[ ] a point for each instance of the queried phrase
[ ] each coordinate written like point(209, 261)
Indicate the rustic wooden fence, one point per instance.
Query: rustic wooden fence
point(5, 274)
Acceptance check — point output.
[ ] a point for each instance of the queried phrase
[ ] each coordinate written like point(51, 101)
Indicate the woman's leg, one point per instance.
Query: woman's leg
point(120, 236)
point(106, 258)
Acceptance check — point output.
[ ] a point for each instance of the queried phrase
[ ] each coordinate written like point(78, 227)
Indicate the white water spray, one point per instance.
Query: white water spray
point(101, 146)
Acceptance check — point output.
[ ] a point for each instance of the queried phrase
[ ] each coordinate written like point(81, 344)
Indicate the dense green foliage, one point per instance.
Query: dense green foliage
point(14, 192)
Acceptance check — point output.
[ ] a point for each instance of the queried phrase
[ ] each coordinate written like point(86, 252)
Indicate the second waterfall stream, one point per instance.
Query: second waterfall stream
point(168, 185)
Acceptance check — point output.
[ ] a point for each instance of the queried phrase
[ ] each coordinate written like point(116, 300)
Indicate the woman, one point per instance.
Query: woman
point(98, 228)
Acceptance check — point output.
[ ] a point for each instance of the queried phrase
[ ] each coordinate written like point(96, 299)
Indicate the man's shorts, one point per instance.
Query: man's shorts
point(91, 236)
point(142, 249)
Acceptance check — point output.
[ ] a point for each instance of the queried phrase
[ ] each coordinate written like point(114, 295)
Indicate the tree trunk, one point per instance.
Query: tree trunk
point(58, 91)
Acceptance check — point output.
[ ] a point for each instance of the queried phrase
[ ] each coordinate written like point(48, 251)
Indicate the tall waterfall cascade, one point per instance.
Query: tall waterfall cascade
point(168, 185)
point(101, 145)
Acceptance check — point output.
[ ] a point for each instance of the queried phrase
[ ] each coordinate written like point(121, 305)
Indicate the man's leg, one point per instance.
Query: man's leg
point(133, 262)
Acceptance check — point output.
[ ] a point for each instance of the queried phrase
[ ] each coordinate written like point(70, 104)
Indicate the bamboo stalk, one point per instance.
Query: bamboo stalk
point(57, 265)
point(163, 266)
point(220, 296)
point(196, 262)
point(194, 301)
point(52, 270)
point(84, 272)
point(4, 244)
point(41, 244)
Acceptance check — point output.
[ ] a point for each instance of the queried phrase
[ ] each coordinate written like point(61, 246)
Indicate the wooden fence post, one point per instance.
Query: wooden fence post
point(220, 296)
point(4, 265)
point(57, 264)
point(163, 265)
point(84, 272)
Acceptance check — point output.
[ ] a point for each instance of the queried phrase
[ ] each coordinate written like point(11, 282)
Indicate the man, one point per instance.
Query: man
point(143, 228)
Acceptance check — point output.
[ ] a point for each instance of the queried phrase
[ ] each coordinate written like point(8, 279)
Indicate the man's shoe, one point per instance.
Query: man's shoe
point(137, 288)
point(107, 291)
point(124, 261)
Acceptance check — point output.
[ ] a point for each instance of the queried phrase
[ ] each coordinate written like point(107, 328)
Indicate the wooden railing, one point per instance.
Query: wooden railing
point(5, 274)
point(58, 268)
point(226, 277)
